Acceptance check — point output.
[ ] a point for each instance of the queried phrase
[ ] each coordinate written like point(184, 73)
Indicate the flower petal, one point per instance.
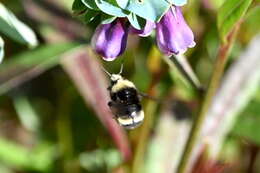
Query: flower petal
point(110, 39)
point(148, 28)
point(173, 34)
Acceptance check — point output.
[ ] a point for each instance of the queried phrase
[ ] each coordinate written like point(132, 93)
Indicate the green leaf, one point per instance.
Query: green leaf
point(98, 158)
point(1, 49)
point(105, 18)
point(229, 14)
point(250, 27)
point(30, 64)
point(90, 4)
point(148, 9)
point(248, 122)
point(110, 7)
point(136, 21)
point(26, 113)
point(39, 158)
point(90, 15)
point(78, 6)
point(15, 29)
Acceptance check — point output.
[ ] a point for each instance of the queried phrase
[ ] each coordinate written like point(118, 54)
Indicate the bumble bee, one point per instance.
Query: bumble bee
point(125, 101)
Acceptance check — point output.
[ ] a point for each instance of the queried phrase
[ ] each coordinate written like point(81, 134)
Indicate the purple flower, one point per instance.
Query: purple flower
point(148, 28)
point(109, 40)
point(173, 34)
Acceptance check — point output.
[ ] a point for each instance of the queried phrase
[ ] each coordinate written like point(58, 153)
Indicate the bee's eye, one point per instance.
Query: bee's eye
point(113, 82)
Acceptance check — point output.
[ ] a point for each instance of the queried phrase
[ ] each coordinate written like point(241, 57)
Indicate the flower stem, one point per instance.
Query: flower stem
point(213, 86)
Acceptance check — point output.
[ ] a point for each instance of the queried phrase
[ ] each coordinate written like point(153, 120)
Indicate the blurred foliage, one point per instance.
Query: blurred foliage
point(48, 126)
point(229, 13)
point(248, 122)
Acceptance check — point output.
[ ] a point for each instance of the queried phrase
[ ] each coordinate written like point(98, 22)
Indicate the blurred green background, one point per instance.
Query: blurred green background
point(52, 122)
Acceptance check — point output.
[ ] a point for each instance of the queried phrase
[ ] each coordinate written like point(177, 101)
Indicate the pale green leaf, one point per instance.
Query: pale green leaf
point(151, 10)
point(111, 7)
point(15, 29)
point(178, 2)
point(122, 3)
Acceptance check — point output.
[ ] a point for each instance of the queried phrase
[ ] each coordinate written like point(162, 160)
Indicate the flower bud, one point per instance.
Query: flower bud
point(146, 31)
point(173, 35)
point(109, 40)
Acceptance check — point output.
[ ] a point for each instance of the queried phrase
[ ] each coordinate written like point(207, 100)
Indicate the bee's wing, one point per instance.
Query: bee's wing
point(117, 109)
point(145, 95)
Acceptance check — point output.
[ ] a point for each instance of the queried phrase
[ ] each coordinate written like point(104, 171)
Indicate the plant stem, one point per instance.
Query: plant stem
point(213, 86)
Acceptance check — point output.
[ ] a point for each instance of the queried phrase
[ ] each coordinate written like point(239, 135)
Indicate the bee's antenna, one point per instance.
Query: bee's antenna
point(121, 69)
point(109, 74)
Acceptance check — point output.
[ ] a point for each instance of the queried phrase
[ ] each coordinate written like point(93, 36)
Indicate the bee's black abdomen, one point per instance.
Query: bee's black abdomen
point(128, 95)
point(133, 108)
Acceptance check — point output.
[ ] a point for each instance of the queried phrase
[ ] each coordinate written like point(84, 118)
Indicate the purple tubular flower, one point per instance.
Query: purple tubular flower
point(173, 35)
point(109, 40)
point(148, 28)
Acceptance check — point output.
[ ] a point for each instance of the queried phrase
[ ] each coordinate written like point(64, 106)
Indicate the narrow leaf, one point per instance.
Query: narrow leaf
point(229, 14)
point(90, 4)
point(78, 6)
point(15, 29)
point(30, 64)
point(182, 71)
point(26, 113)
point(90, 15)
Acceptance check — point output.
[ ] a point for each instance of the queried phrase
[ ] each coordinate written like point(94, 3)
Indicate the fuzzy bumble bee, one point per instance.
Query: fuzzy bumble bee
point(125, 101)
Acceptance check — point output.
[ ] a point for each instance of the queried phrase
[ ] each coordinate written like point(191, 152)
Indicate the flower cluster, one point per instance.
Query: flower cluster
point(173, 35)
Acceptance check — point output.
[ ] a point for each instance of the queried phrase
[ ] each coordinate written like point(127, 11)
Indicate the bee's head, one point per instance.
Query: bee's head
point(115, 77)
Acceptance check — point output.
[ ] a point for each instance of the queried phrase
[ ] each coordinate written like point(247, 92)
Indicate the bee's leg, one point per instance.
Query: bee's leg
point(111, 104)
point(133, 120)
